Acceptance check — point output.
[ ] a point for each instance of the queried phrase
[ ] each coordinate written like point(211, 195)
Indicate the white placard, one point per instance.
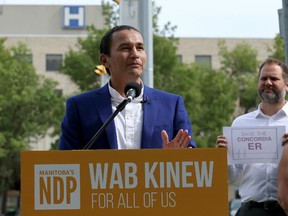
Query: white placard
point(254, 144)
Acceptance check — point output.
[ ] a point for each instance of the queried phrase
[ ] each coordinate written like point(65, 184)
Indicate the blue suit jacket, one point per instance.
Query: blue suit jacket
point(87, 112)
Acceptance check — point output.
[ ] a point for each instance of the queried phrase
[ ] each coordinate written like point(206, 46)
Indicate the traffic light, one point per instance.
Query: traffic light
point(100, 69)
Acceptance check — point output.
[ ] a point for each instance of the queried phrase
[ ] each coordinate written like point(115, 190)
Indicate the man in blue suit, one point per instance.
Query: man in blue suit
point(147, 122)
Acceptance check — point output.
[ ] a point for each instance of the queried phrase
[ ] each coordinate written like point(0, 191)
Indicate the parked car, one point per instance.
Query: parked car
point(234, 205)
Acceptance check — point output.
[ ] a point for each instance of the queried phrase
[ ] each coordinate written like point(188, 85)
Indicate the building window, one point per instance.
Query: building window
point(204, 59)
point(53, 62)
point(180, 59)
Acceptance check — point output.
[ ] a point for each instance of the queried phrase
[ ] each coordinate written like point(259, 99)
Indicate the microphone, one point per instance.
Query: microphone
point(131, 90)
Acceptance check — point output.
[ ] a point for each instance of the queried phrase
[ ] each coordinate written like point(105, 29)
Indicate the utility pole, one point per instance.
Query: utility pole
point(284, 22)
point(138, 13)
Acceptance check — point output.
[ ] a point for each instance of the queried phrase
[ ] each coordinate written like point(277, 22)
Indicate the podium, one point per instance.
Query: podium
point(124, 182)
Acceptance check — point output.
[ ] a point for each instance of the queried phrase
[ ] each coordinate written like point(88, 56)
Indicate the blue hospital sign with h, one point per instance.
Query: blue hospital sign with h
point(73, 17)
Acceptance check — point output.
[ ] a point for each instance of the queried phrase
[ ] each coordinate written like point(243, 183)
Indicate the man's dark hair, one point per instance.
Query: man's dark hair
point(107, 38)
point(270, 61)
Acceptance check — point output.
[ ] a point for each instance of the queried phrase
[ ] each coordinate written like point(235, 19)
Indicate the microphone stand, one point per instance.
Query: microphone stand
point(119, 108)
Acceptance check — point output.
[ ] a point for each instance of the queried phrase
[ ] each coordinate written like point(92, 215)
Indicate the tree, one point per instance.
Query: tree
point(111, 13)
point(165, 61)
point(80, 63)
point(29, 106)
point(210, 96)
point(278, 48)
point(248, 93)
point(239, 61)
point(209, 99)
point(241, 65)
point(215, 105)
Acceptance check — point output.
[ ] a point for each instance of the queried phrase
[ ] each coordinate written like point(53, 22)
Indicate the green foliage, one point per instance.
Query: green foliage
point(279, 48)
point(210, 96)
point(239, 61)
point(165, 61)
point(215, 107)
point(29, 106)
point(241, 64)
point(80, 63)
point(110, 12)
point(79, 67)
point(209, 99)
point(248, 92)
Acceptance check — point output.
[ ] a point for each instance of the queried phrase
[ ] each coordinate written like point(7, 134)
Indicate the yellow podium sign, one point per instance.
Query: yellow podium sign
point(124, 182)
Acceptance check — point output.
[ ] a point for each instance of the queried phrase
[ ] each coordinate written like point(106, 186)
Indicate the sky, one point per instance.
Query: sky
point(206, 18)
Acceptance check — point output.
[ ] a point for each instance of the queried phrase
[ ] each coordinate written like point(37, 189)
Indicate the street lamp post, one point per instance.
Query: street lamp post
point(285, 24)
point(138, 13)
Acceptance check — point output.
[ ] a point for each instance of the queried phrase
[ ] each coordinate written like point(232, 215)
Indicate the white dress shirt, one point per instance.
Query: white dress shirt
point(129, 121)
point(258, 180)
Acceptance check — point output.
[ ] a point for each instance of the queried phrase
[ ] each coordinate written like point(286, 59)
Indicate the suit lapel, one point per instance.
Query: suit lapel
point(105, 111)
point(149, 117)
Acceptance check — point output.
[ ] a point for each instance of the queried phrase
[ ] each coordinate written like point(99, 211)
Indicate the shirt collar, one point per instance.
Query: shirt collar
point(283, 111)
point(115, 96)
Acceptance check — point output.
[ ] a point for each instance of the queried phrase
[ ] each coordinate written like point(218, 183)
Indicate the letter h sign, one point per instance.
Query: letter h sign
point(73, 17)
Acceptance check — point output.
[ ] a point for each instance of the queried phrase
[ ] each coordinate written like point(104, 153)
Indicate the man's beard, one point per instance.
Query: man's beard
point(272, 98)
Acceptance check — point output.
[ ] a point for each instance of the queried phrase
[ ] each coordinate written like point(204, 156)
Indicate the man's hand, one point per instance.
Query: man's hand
point(221, 142)
point(181, 140)
point(283, 180)
point(285, 139)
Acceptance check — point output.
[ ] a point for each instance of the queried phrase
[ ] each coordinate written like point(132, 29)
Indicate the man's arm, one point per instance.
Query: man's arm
point(283, 180)
point(70, 126)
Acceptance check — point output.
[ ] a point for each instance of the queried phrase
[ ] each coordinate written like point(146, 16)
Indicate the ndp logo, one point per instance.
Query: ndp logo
point(57, 186)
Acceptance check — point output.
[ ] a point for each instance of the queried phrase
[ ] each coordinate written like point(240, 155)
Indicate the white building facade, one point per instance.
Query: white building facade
point(48, 31)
